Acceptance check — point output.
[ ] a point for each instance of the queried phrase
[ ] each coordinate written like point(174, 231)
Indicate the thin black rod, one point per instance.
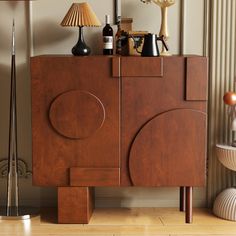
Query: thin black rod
point(12, 178)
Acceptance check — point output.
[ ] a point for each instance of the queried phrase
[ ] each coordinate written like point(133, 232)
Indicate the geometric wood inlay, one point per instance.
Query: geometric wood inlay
point(168, 148)
point(77, 114)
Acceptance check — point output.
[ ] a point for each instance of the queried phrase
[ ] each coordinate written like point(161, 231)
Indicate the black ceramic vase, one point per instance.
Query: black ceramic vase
point(81, 49)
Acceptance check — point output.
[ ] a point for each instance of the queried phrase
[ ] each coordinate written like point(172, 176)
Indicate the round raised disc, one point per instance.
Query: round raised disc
point(77, 114)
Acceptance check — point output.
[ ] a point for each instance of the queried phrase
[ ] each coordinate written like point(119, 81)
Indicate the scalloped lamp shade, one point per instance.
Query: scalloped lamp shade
point(80, 15)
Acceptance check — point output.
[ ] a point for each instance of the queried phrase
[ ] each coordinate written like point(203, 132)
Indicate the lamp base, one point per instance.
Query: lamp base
point(81, 49)
point(20, 217)
point(24, 213)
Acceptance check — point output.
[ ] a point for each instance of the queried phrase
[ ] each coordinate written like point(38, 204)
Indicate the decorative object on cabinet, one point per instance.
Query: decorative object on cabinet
point(122, 43)
point(225, 203)
point(163, 4)
point(122, 36)
point(13, 210)
point(108, 39)
point(126, 24)
point(170, 90)
point(135, 42)
point(81, 14)
point(150, 46)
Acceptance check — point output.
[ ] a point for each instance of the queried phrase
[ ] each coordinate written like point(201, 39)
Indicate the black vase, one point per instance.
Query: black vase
point(81, 49)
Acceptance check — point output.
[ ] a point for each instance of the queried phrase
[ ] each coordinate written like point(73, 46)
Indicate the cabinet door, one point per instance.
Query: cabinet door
point(75, 119)
point(152, 86)
point(170, 150)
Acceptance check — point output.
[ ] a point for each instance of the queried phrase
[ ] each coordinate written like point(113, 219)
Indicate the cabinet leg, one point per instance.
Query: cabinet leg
point(189, 203)
point(182, 193)
point(75, 205)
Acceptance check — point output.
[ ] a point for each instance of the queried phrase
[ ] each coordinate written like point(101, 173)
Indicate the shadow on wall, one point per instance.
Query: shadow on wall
point(12, 4)
point(5, 44)
point(94, 41)
point(4, 108)
point(24, 114)
point(53, 38)
point(50, 32)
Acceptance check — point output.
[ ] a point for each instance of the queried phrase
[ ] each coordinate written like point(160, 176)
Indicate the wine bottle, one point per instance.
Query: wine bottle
point(118, 40)
point(107, 37)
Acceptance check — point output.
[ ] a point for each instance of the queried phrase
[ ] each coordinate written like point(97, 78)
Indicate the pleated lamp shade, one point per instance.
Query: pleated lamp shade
point(80, 14)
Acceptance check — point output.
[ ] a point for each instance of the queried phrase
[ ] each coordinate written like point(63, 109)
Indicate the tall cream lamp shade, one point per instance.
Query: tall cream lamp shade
point(80, 15)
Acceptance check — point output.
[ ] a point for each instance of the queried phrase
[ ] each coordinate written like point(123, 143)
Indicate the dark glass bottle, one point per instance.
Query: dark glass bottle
point(118, 40)
point(107, 38)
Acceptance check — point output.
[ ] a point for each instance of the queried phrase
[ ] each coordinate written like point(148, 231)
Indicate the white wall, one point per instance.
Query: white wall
point(48, 37)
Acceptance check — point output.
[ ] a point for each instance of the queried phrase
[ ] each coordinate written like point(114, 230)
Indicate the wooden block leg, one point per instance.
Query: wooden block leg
point(75, 205)
point(182, 193)
point(189, 203)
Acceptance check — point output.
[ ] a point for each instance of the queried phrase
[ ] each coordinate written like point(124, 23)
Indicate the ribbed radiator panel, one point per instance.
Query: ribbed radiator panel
point(222, 76)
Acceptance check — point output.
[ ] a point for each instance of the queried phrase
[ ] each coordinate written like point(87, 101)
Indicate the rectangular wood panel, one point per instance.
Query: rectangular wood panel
point(116, 67)
point(196, 78)
point(94, 176)
point(142, 66)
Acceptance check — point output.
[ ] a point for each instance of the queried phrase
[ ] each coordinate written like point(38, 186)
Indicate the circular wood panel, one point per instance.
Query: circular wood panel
point(170, 150)
point(77, 114)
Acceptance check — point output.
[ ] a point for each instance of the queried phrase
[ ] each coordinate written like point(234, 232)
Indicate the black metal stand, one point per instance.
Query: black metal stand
point(12, 209)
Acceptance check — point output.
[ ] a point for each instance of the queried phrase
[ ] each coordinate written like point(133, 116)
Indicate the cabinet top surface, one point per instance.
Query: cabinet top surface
point(112, 56)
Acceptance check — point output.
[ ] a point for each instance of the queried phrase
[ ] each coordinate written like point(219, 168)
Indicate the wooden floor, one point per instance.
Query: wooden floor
point(123, 221)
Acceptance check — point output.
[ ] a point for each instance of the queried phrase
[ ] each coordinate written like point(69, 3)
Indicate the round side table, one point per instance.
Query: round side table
point(225, 203)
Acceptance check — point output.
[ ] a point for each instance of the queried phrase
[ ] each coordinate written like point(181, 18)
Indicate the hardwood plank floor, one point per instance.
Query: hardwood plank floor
point(122, 222)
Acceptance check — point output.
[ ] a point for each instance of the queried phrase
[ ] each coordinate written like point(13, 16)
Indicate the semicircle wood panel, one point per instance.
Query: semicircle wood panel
point(168, 148)
point(77, 114)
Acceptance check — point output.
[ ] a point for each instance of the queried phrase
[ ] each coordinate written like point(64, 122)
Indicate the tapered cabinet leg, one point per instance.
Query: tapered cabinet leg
point(75, 205)
point(182, 203)
point(189, 205)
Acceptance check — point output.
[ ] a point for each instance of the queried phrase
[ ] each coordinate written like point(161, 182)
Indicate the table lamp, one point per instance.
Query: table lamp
point(80, 15)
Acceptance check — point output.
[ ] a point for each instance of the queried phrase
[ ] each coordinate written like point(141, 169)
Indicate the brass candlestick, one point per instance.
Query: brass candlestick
point(164, 4)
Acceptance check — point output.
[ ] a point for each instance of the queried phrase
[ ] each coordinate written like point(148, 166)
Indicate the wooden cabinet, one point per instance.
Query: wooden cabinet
point(75, 119)
point(163, 132)
point(117, 121)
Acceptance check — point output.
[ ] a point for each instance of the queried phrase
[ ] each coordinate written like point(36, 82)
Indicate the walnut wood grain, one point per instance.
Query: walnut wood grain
point(54, 154)
point(94, 176)
point(145, 97)
point(189, 205)
point(197, 72)
point(170, 150)
point(160, 135)
point(142, 66)
point(75, 205)
point(116, 67)
point(77, 114)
